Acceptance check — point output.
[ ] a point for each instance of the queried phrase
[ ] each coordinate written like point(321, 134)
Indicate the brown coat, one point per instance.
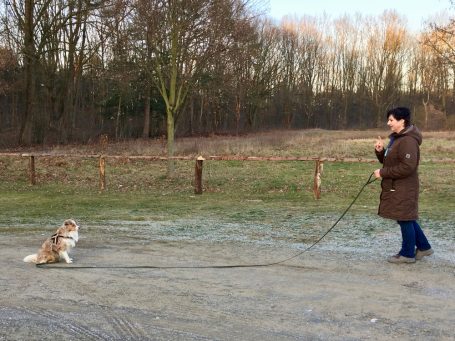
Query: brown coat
point(400, 180)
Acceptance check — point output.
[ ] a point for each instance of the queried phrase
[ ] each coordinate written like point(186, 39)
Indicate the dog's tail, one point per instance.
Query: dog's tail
point(31, 258)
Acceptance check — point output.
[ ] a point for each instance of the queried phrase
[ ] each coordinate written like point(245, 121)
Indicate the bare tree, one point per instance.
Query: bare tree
point(348, 49)
point(311, 61)
point(441, 39)
point(184, 36)
point(9, 87)
point(258, 71)
point(51, 36)
point(94, 67)
point(27, 23)
point(386, 52)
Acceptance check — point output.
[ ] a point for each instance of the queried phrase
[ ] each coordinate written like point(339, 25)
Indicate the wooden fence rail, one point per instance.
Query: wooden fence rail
point(317, 182)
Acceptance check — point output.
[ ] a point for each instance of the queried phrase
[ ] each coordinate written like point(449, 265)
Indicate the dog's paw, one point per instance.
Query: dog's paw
point(69, 261)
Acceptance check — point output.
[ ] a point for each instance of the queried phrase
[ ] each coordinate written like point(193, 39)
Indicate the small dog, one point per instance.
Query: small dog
point(58, 245)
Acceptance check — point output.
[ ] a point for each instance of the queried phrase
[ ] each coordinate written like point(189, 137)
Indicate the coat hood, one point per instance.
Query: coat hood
point(411, 131)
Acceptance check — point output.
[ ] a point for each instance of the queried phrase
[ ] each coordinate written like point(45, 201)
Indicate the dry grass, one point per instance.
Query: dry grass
point(306, 143)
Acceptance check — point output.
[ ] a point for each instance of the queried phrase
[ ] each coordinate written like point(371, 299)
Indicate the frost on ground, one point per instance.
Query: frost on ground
point(341, 289)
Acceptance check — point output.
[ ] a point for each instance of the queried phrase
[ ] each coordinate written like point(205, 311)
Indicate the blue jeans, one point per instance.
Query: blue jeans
point(413, 237)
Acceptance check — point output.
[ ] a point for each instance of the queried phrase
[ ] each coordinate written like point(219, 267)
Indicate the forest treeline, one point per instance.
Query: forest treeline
point(75, 70)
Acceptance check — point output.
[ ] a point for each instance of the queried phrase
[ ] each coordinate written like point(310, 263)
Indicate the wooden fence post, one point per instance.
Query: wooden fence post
point(32, 173)
point(198, 175)
point(102, 173)
point(317, 179)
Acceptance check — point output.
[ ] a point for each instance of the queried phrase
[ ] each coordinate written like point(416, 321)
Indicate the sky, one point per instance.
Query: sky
point(415, 11)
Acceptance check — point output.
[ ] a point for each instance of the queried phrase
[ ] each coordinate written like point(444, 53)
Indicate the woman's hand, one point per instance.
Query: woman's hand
point(379, 145)
point(377, 173)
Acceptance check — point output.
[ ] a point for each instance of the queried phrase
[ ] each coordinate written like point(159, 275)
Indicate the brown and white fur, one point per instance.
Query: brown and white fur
point(58, 245)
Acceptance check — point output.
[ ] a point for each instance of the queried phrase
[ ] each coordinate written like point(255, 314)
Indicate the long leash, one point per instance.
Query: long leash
point(370, 180)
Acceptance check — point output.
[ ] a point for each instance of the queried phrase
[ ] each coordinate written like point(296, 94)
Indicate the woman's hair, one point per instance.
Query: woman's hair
point(401, 113)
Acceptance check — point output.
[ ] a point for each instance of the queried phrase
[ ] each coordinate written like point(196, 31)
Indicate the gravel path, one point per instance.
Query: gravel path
point(343, 289)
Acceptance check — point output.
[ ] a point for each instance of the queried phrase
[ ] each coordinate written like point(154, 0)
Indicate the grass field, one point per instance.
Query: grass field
point(139, 190)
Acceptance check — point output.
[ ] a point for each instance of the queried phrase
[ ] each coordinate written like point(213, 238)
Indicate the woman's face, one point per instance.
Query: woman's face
point(394, 125)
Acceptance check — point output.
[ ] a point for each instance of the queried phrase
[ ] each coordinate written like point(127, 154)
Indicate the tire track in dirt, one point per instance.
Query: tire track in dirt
point(78, 330)
point(56, 321)
point(129, 328)
point(123, 328)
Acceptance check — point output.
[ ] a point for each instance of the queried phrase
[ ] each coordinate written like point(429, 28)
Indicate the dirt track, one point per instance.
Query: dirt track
point(321, 295)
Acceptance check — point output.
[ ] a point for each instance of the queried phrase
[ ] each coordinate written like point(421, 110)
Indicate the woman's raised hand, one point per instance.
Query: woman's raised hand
point(379, 145)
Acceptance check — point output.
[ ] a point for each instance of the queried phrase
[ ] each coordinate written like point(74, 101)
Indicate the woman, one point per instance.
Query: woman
point(400, 184)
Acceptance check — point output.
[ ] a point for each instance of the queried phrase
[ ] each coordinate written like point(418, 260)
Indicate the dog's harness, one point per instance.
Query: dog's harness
point(56, 236)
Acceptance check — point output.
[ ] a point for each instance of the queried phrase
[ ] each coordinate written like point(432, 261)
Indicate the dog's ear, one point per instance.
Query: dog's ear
point(69, 222)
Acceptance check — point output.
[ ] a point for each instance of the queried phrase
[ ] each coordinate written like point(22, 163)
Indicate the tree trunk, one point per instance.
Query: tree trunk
point(117, 120)
point(170, 143)
point(27, 129)
point(425, 107)
point(146, 129)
